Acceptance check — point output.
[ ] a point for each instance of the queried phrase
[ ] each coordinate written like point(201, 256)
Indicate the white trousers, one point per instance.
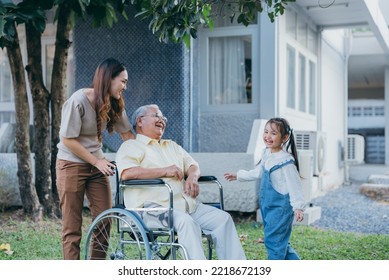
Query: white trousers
point(213, 221)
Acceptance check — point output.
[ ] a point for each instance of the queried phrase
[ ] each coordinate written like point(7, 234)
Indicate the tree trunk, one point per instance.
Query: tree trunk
point(28, 193)
point(40, 97)
point(58, 84)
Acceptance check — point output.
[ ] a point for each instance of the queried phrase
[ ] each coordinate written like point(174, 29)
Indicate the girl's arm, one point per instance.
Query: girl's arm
point(295, 188)
point(245, 175)
point(250, 175)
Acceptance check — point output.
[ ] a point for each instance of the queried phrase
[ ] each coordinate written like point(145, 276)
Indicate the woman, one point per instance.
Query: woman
point(81, 166)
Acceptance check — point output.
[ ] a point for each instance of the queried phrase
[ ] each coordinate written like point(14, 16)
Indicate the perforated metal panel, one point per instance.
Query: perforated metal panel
point(158, 73)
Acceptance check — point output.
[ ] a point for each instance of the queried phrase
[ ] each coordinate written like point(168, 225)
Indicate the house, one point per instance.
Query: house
point(218, 93)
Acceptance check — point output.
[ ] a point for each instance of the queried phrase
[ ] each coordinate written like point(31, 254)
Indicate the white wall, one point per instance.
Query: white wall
point(333, 104)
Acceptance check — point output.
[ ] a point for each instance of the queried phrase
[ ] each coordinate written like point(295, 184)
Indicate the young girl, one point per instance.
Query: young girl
point(281, 196)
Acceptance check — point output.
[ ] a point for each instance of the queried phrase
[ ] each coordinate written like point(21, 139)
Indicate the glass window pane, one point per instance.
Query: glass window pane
point(70, 84)
point(291, 23)
point(6, 88)
point(302, 32)
point(7, 117)
point(379, 111)
point(302, 87)
point(312, 88)
point(50, 52)
point(291, 64)
point(368, 111)
point(356, 111)
point(229, 70)
point(50, 49)
point(312, 40)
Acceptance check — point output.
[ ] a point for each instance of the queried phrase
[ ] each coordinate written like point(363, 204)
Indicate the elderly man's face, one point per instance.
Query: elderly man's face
point(152, 124)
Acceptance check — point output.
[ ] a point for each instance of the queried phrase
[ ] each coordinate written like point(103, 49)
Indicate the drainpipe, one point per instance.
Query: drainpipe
point(319, 122)
point(386, 100)
point(319, 83)
point(347, 48)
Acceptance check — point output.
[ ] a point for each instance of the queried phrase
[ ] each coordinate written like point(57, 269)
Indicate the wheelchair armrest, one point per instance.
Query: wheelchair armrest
point(207, 178)
point(213, 180)
point(142, 182)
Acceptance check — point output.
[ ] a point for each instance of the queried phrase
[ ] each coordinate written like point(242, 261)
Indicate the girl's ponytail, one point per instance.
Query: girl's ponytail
point(293, 149)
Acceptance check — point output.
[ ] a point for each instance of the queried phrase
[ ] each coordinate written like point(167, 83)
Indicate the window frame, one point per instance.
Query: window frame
point(309, 61)
point(7, 106)
point(206, 34)
point(304, 43)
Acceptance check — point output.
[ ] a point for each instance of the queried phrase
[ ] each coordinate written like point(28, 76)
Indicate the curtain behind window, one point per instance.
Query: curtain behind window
point(227, 75)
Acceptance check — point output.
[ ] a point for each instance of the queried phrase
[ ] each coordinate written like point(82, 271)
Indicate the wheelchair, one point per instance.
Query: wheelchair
point(121, 233)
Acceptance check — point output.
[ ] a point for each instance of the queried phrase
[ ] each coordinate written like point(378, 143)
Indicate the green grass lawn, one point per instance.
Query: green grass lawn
point(42, 241)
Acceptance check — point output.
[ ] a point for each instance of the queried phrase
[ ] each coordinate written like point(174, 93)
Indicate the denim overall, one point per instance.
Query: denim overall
point(277, 215)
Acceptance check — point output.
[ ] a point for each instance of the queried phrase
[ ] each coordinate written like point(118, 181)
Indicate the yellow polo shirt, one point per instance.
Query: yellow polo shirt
point(150, 153)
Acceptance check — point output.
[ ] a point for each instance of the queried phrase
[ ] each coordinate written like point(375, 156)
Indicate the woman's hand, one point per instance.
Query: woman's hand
point(105, 166)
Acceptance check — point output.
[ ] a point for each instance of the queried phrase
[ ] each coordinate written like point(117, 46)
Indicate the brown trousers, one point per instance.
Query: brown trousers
point(74, 180)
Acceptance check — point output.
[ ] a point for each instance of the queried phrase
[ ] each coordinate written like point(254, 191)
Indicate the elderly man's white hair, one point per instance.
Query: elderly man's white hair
point(141, 111)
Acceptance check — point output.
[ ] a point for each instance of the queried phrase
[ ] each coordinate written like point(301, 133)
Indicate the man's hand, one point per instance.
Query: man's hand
point(191, 187)
point(174, 172)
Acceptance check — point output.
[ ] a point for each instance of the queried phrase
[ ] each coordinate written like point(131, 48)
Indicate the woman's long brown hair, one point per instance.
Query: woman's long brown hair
point(107, 108)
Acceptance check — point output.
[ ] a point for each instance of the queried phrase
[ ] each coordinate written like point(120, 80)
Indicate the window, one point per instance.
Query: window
point(298, 28)
point(228, 69)
point(48, 47)
point(379, 111)
point(291, 62)
point(49, 61)
point(7, 105)
point(6, 88)
point(301, 57)
point(312, 88)
point(302, 89)
point(356, 111)
point(7, 117)
point(291, 24)
point(368, 111)
point(304, 83)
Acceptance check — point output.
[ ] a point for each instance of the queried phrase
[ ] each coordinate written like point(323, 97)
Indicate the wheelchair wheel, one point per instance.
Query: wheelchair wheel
point(117, 234)
point(168, 250)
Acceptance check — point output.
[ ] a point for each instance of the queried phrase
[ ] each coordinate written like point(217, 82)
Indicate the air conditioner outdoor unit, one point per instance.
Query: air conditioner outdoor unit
point(355, 149)
point(315, 141)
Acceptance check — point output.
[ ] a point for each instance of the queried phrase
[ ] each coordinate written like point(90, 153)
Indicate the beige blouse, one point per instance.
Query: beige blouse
point(79, 121)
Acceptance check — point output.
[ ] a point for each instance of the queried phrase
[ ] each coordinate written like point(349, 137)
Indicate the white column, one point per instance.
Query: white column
point(386, 115)
point(268, 45)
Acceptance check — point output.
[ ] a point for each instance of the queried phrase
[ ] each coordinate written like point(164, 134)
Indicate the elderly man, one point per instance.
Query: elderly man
point(148, 156)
